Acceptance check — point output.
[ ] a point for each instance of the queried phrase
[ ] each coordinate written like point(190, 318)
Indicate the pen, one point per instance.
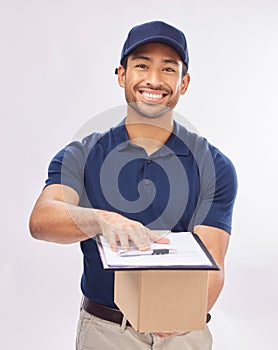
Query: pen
point(163, 251)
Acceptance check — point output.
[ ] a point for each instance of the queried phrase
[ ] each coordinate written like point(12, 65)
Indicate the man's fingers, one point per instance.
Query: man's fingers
point(117, 228)
point(111, 239)
point(169, 334)
point(124, 241)
point(140, 238)
point(162, 240)
point(156, 238)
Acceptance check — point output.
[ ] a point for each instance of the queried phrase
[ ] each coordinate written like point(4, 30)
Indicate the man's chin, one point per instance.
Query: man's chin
point(150, 110)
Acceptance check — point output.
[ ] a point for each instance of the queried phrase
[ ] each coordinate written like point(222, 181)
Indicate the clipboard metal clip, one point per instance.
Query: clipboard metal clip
point(130, 253)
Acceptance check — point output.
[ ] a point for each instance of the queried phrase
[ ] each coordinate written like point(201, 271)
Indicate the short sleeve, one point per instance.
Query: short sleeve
point(218, 193)
point(67, 166)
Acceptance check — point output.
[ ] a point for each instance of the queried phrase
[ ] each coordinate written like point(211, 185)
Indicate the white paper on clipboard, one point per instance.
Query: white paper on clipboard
point(189, 253)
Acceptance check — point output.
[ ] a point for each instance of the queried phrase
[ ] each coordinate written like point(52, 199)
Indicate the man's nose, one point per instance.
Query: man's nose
point(154, 78)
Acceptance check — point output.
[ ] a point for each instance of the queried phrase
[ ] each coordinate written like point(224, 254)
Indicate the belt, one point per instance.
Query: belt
point(102, 311)
point(107, 313)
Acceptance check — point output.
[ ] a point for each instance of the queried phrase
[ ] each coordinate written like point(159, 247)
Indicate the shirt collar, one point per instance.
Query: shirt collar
point(120, 135)
point(175, 145)
point(177, 142)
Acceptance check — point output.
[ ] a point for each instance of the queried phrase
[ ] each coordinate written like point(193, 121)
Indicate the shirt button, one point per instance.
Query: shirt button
point(147, 182)
point(148, 161)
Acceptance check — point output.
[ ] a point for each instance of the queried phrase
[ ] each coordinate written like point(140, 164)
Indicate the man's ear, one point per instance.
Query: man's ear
point(121, 76)
point(184, 83)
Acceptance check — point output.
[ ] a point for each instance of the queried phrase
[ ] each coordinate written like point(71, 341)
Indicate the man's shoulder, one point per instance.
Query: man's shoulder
point(201, 147)
point(110, 136)
point(105, 140)
point(195, 142)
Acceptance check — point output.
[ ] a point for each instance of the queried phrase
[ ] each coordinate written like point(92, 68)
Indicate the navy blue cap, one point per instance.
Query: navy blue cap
point(156, 32)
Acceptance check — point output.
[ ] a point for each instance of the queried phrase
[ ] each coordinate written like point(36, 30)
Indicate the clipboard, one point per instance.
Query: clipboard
point(189, 253)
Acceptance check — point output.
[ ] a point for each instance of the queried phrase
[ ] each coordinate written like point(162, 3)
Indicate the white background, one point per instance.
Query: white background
point(57, 72)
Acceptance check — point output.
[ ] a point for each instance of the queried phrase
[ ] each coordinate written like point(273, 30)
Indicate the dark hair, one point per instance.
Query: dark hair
point(184, 68)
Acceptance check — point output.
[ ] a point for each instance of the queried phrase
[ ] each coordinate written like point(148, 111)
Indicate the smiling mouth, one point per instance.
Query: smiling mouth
point(151, 96)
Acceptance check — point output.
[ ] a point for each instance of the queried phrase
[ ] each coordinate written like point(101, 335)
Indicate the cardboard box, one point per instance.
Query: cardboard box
point(163, 300)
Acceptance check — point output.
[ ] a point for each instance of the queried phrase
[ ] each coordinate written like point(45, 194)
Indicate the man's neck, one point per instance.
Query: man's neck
point(149, 133)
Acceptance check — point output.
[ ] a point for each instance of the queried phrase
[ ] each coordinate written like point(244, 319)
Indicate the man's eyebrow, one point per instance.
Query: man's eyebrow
point(169, 60)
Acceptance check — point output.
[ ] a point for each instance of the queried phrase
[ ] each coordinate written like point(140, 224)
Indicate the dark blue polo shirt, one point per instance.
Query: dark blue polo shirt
point(186, 182)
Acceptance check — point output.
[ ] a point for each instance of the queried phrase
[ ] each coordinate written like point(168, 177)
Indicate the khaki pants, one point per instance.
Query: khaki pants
point(96, 334)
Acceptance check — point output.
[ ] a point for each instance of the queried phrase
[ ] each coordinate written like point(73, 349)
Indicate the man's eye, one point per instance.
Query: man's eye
point(169, 69)
point(142, 66)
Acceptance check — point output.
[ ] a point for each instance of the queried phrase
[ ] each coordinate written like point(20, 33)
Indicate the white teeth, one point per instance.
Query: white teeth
point(154, 96)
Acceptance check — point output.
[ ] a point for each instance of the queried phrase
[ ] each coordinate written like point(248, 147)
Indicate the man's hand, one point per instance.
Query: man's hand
point(116, 228)
point(169, 334)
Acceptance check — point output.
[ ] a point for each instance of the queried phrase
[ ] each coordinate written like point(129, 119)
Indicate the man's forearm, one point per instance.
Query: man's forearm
point(215, 285)
point(61, 222)
point(216, 241)
point(57, 218)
